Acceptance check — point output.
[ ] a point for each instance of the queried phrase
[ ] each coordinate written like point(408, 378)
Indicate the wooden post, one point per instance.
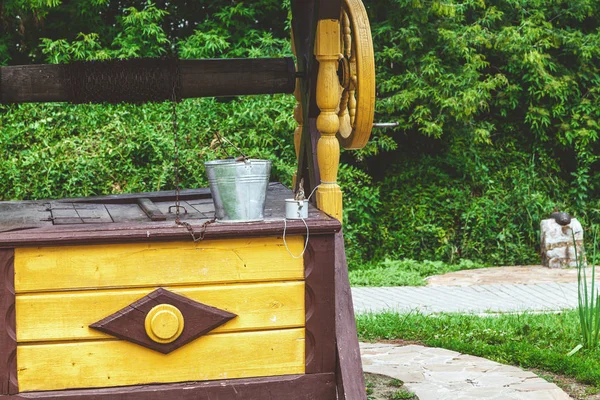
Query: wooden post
point(327, 50)
point(298, 113)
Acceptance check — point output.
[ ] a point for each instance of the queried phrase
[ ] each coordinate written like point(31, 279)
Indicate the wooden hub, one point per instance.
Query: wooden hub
point(164, 323)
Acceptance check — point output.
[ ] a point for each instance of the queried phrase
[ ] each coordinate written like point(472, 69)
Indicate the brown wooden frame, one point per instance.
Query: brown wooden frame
point(290, 387)
point(319, 383)
point(8, 341)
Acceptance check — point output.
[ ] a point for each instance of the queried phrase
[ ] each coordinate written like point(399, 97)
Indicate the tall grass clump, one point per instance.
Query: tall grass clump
point(589, 300)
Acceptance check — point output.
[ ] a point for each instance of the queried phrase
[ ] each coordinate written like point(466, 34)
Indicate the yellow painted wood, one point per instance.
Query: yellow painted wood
point(357, 107)
point(152, 264)
point(67, 315)
point(327, 51)
point(116, 363)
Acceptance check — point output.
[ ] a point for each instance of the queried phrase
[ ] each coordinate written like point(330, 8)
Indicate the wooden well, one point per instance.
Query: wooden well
point(79, 277)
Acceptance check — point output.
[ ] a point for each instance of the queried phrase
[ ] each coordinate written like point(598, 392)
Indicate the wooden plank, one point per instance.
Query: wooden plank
point(157, 264)
point(163, 195)
point(67, 213)
point(8, 341)
point(350, 378)
point(320, 305)
point(199, 78)
point(260, 306)
point(123, 213)
point(161, 232)
point(23, 215)
point(135, 226)
point(118, 363)
point(151, 209)
point(289, 387)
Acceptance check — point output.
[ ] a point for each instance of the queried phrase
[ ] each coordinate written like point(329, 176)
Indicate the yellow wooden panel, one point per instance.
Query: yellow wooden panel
point(156, 264)
point(67, 315)
point(116, 363)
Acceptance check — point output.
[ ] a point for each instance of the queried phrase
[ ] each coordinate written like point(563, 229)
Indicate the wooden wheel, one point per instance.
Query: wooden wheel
point(356, 73)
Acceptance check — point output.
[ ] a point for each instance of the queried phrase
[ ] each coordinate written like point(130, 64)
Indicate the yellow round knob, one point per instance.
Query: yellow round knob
point(164, 323)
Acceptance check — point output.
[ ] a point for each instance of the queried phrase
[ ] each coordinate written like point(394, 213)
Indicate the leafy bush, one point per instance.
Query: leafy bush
point(497, 104)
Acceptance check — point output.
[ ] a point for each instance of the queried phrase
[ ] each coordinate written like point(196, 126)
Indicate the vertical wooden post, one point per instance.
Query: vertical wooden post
point(298, 112)
point(327, 50)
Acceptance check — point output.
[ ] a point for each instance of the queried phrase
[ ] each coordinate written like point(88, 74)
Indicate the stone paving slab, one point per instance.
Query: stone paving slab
point(539, 297)
point(439, 374)
point(524, 274)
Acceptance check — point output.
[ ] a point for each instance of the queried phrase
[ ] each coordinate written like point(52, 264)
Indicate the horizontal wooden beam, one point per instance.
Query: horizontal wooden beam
point(290, 387)
point(198, 78)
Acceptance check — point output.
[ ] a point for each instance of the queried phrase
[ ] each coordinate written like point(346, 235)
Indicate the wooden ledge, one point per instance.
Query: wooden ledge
point(29, 223)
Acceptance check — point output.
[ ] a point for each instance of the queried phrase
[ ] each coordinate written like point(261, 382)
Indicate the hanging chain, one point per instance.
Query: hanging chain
point(178, 221)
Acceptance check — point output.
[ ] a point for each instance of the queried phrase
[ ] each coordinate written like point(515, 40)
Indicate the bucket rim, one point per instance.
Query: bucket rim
point(233, 162)
point(296, 201)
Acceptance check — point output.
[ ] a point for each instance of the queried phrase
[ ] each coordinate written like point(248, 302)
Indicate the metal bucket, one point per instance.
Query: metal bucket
point(238, 188)
point(296, 209)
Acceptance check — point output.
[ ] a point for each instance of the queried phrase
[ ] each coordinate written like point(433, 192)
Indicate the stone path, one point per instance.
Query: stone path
point(502, 289)
point(468, 299)
point(439, 374)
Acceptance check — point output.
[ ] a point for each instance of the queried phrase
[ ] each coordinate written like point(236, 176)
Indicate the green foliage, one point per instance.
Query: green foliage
point(129, 148)
point(402, 394)
point(498, 106)
point(404, 272)
point(526, 340)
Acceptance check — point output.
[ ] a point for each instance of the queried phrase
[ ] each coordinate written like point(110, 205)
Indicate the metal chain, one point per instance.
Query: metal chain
point(177, 207)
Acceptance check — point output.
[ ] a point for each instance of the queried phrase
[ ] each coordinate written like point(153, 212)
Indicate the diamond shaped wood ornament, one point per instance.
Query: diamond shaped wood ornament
point(163, 321)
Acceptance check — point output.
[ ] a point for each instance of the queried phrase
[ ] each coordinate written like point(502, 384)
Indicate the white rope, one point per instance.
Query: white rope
point(305, 243)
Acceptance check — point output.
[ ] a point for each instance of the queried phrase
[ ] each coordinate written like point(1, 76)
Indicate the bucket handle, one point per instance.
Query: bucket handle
point(223, 138)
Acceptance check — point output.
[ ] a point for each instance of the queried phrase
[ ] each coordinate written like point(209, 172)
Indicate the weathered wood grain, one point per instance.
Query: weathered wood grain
point(259, 306)
point(350, 378)
point(119, 363)
point(133, 225)
point(157, 264)
point(319, 262)
point(199, 78)
point(151, 210)
point(8, 339)
point(291, 387)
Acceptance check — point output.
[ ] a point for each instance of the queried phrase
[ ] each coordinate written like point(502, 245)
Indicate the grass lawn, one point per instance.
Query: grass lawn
point(404, 272)
point(527, 340)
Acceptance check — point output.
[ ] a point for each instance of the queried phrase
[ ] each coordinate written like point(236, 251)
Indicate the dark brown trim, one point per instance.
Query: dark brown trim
point(159, 231)
point(290, 387)
point(304, 23)
point(8, 336)
point(129, 323)
point(330, 9)
point(350, 378)
point(319, 261)
point(164, 195)
point(22, 235)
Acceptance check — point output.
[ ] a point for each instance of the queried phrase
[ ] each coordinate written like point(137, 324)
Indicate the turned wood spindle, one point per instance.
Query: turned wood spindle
point(327, 51)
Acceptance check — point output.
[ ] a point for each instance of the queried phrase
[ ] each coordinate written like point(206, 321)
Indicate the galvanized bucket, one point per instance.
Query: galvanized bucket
point(238, 188)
